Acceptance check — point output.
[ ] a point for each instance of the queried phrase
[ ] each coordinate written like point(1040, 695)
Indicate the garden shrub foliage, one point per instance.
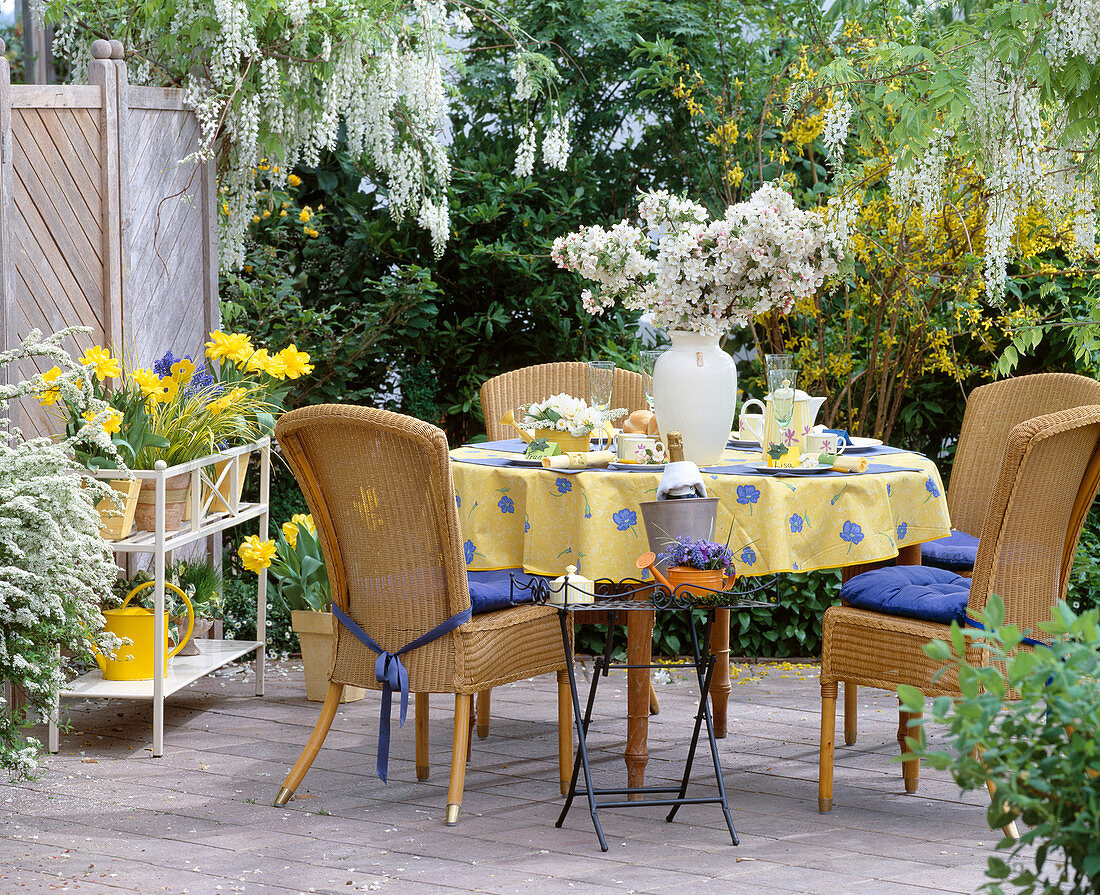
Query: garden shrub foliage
point(55, 568)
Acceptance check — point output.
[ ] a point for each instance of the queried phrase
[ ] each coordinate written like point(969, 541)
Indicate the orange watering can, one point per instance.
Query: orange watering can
point(134, 660)
point(691, 582)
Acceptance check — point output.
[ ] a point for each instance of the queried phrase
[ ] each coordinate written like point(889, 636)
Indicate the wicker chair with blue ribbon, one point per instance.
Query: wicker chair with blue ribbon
point(1036, 508)
point(991, 412)
point(380, 490)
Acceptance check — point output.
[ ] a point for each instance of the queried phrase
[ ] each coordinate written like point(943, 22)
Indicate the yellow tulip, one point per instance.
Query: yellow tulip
point(295, 362)
point(256, 555)
point(106, 367)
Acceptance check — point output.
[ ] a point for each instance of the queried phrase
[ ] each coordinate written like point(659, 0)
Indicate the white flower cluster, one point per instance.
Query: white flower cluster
point(704, 275)
point(55, 568)
point(1075, 30)
point(525, 154)
point(1007, 126)
point(923, 180)
point(555, 145)
point(564, 413)
point(837, 120)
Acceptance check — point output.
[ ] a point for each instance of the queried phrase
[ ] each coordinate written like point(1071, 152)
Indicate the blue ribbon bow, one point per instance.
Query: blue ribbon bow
point(390, 672)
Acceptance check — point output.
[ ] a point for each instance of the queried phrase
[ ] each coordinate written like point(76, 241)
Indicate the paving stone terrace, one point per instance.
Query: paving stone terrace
point(107, 817)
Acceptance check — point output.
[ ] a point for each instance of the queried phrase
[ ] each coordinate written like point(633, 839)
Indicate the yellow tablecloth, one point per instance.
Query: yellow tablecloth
point(544, 520)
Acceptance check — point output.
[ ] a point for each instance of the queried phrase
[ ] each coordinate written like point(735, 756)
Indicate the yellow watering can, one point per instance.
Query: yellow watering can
point(134, 660)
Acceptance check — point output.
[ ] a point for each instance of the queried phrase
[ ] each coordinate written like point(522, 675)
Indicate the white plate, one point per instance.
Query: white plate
point(793, 470)
point(637, 467)
point(862, 444)
point(524, 461)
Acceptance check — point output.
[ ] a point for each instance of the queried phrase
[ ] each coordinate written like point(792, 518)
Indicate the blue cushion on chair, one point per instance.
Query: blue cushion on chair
point(957, 552)
point(490, 591)
point(934, 595)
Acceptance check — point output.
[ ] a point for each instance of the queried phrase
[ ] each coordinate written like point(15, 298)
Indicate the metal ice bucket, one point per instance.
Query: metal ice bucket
point(667, 520)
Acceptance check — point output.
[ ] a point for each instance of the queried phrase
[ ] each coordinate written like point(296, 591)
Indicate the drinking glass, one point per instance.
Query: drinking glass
point(601, 377)
point(649, 359)
point(778, 362)
point(781, 385)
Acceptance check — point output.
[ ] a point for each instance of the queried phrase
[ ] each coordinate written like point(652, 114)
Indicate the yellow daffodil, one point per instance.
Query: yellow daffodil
point(290, 529)
point(228, 346)
point(183, 369)
point(295, 362)
point(169, 389)
point(112, 424)
point(256, 555)
point(146, 380)
point(106, 367)
point(218, 405)
point(294, 180)
point(49, 397)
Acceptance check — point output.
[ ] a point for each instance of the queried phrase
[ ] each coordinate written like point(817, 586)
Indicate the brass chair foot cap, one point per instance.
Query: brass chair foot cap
point(283, 797)
point(452, 814)
point(910, 788)
point(482, 732)
point(422, 772)
point(824, 805)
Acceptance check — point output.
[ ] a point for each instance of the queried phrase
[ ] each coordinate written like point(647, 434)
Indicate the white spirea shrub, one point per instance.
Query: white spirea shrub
point(700, 274)
point(55, 568)
point(280, 81)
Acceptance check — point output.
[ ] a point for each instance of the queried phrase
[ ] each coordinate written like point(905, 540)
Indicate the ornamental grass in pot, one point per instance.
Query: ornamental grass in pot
point(297, 566)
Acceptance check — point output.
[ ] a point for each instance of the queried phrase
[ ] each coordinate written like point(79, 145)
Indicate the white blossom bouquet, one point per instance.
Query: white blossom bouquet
point(700, 274)
point(564, 413)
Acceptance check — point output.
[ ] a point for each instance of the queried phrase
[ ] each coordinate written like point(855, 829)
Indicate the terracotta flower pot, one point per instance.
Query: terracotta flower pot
point(175, 499)
point(317, 635)
point(200, 631)
point(118, 525)
point(695, 580)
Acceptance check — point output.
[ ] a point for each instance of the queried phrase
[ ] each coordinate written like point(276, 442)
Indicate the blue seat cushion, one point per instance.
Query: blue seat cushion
point(490, 591)
point(935, 595)
point(957, 552)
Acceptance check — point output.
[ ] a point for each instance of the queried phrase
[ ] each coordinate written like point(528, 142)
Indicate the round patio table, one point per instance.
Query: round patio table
point(544, 520)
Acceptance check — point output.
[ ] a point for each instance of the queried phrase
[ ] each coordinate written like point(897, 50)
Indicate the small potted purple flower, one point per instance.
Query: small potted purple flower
point(698, 563)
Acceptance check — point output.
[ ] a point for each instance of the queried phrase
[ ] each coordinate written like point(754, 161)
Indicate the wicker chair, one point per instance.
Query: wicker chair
point(380, 490)
point(509, 390)
point(1050, 471)
point(991, 412)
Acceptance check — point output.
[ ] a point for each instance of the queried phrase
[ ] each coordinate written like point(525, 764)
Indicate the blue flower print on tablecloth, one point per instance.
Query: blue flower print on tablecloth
point(902, 529)
point(458, 501)
point(587, 507)
point(747, 495)
point(796, 523)
point(625, 520)
point(564, 485)
point(526, 524)
point(470, 550)
point(931, 488)
point(852, 533)
point(748, 556)
point(506, 505)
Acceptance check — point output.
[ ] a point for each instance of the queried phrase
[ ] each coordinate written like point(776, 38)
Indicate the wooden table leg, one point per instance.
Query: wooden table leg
point(639, 651)
point(720, 680)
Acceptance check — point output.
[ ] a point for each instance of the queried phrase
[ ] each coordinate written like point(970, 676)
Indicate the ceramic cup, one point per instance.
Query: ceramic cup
point(632, 448)
point(822, 443)
point(751, 426)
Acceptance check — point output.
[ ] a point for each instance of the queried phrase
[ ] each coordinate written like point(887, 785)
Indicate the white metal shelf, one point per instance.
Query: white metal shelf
point(182, 670)
point(205, 521)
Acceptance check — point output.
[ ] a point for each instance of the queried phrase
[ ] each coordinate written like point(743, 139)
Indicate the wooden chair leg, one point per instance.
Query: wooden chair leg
point(654, 705)
point(313, 744)
point(1010, 830)
point(461, 745)
point(720, 678)
point(483, 699)
point(565, 731)
point(851, 692)
point(910, 767)
point(420, 709)
point(825, 759)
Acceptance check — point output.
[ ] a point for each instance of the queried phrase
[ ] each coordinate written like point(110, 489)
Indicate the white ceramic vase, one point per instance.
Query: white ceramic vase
point(694, 391)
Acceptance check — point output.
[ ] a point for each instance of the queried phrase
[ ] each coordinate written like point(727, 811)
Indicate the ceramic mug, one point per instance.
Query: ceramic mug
point(751, 425)
point(822, 443)
point(633, 448)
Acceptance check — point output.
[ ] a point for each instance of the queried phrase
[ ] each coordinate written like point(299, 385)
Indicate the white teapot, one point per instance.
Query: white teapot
point(572, 587)
point(802, 422)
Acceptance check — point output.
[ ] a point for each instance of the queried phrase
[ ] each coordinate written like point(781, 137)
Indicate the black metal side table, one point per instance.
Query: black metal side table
point(637, 596)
